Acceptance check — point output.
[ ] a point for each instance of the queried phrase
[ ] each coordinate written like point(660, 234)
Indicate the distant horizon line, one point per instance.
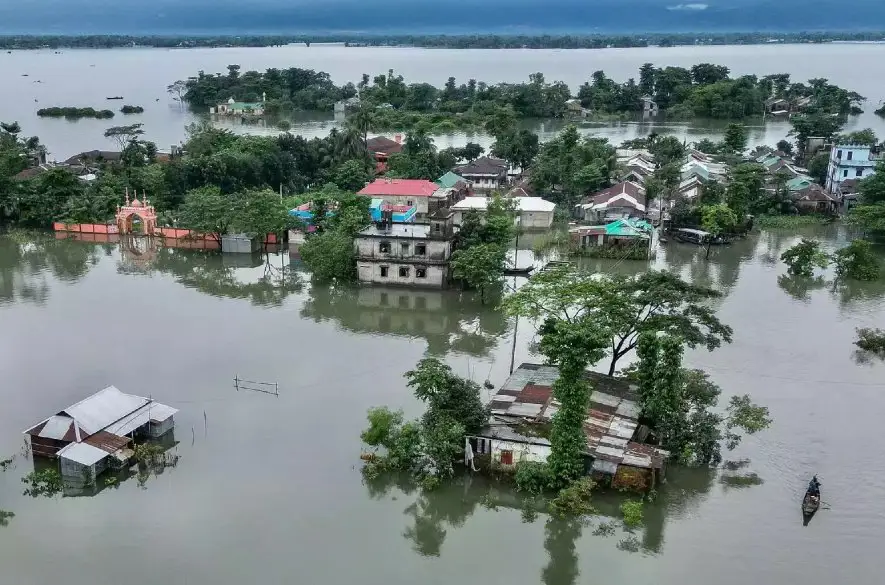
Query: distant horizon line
point(404, 35)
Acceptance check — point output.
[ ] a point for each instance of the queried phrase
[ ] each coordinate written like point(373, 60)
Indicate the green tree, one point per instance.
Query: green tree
point(870, 217)
point(817, 167)
point(571, 345)
point(46, 198)
point(866, 137)
point(624, 307)
point(667, 149)
point(330, 256)
point(735, 139)
point(719, 220)
point(123, 135)
point(518, 148)
point(480, 267)
point(352, 175)
point(259, 213)
point(647, 79)
point(870, 213)
point(207, 211)
point(814, 125)
point(804, 257)
point(785, 146)
point(448, 396)
point(680, 405)
point(569, 166)
point(857, 261)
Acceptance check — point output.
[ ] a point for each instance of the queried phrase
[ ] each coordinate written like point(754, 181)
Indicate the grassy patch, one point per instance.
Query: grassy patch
point(789, 221)
point(552, 242)
point(632, 513)
point(741, 480)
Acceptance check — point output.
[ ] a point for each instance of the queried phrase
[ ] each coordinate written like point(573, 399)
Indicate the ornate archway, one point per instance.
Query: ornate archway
point(143, 210)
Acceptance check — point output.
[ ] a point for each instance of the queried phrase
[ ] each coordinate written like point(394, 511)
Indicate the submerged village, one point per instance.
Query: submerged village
point(609, 402)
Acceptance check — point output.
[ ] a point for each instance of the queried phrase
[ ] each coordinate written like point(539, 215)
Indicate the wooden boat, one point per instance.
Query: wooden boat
point(518, 271)
point(810, 505)
point(116, 97)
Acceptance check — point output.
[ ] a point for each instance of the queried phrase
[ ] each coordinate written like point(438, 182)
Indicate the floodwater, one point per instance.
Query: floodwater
point(268, 488)
point(37, 79)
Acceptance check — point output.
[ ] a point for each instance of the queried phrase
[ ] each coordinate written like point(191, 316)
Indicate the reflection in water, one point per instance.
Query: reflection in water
point(26, 256)
point(798, 287)
point(219, 275)
point(560, 541)
point(448, 320)
point(433, 514)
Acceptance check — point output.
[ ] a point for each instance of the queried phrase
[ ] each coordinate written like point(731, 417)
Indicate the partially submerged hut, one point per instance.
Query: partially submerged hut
point(522, 412)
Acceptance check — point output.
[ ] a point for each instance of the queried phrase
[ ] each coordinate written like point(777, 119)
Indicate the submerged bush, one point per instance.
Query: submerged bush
point(872, 340)
point(5, 517)
point(534, 477)
point(46, 482)
point(574, 499)
point(632, 513)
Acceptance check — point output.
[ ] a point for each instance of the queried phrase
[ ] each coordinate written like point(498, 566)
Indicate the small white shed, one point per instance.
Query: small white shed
point(82, 462)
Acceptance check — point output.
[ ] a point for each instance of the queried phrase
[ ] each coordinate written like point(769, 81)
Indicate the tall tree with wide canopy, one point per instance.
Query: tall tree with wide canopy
point(624, 307)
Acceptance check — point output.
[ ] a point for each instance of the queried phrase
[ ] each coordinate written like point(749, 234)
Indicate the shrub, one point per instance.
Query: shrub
point(632, 513)
point(5, 517)
point(574, 499)
point(605, 529)
point(788, 221)
point(46, 482)
point(857, 261)
point(804, 257)
point(872, 340)
point(132, 109)
point(534, 477)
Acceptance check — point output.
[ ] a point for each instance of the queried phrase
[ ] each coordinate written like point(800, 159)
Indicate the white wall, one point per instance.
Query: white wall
point(484, 183)
point(528, 219)
point(161, 428)
point(521, 451)
point(536, 219)
point(371, 272)
point(435, 250)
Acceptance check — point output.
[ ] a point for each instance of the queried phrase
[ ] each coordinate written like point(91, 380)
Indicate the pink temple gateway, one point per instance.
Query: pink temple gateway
point(137, 217)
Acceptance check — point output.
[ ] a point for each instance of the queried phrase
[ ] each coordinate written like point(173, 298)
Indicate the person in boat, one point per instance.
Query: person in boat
point(814, 487)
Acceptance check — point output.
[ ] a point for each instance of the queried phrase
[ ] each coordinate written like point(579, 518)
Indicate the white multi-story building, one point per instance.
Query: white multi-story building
point(848, 161)
point(406, 254)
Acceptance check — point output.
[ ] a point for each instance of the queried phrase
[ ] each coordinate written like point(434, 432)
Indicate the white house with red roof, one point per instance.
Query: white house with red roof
point(410, 192)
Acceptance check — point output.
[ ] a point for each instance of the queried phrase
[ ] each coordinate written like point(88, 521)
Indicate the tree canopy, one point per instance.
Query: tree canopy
point(624, 307)
point(570, 166)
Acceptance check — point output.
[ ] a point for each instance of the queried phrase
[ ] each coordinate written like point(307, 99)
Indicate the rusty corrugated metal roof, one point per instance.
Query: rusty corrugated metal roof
point(612, 416)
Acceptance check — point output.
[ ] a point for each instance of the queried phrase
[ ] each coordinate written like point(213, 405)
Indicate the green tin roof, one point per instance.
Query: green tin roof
point(799, 183)
point(449, 180)
point(628, 227)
